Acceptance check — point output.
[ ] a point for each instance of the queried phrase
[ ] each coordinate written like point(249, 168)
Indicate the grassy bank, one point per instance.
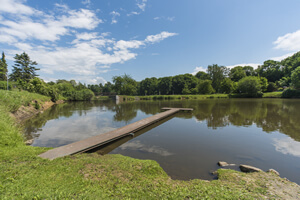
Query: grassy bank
point(13, 100)
point(272, 95)
point(173, 97)
point(195, 97)
point(23, 175)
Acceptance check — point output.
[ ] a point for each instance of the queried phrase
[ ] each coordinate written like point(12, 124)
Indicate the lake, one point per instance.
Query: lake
point(264, 133)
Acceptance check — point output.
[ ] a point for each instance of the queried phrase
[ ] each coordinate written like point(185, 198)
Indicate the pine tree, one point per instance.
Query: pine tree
point(24, 68)
point(3, 68)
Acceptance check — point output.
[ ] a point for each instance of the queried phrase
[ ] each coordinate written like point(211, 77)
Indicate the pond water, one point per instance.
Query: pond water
point(264, 133)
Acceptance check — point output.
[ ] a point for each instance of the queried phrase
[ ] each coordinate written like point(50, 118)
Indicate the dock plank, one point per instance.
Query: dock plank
point(99, 140)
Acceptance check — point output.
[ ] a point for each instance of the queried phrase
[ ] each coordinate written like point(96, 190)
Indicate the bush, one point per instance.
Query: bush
point(271, 87)
point(291, 93)
point(295, 77)
point(250, 87)
point(205, 87)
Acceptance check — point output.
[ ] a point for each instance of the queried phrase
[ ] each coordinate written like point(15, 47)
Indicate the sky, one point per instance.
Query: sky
point(91, 41)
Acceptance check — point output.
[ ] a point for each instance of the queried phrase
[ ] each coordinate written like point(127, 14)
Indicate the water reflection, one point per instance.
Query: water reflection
point(189, 144)
point(287, 146)
point(271, 115)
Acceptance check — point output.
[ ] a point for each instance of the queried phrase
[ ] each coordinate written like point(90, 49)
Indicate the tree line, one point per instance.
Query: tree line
point(24, 77)
point(243, 81)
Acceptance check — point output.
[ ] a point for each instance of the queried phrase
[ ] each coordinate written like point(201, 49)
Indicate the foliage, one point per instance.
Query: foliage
point(125, 85)
point(148, 86)
point(205, 87)
point(291, 63)
point(263, 83)
point(291, 93)
point(24, 68)
point(3, 68)
point(271, 87)
point(227, 86)
point(237, 73)
point(271, 70)
point(217, 75)
point(165, 85)
point(295, 78)
point(183, 81)
point(202, 76)
point(250, 87)
point(13, 100)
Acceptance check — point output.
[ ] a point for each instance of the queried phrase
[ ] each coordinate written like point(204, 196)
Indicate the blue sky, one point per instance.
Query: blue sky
point(91, 40)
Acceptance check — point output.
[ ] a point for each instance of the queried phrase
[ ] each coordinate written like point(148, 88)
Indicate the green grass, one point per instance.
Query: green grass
point(24, 175)
point(174, 97)
point(272, 95)
point(13, 100)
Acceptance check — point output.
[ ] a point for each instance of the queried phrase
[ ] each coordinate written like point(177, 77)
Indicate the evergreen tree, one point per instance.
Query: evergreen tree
point(3, 68)
point(24, 68)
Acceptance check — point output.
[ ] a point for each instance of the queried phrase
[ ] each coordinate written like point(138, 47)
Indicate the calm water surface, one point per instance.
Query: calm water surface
point(261, 132)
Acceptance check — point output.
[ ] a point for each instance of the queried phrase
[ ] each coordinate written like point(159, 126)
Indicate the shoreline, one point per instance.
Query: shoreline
point(93, 176)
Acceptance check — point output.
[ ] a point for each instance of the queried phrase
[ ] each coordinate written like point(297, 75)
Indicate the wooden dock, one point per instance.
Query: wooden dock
point(99, 140)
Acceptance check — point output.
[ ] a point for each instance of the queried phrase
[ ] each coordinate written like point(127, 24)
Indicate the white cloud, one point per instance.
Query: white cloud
point(15, 7)
point(133, 44)
point(4, 38)
point(170, 18)
point(89, 55)
point(198, 69)
point(85, 57)
point(114, 15)
point(86, 2)
point(138, 146)
point(287, 146)
point(280, 58)
point(48, 28)
point(80, 19)
point(254, 65)
point(133, 13)
point(158, 37)
point(165, 18)
point(142, 4)
point(289, 42)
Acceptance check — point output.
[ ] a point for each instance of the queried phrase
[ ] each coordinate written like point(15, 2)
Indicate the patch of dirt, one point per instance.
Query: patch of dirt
point(268, 184)
point(26, 112)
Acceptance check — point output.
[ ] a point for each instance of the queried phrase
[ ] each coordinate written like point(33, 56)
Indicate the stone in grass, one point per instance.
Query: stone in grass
point(274, 171)
point(29, 142)
point(222, 163)
point(248, 168)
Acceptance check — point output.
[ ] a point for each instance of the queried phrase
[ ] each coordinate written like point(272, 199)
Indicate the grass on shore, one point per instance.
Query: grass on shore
point(13, 100)
point(272, 95)
point(24, 175)
point(195, 97)
point(174, 97)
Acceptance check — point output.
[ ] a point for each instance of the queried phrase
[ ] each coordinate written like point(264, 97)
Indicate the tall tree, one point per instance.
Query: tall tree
point(165, 85)
point(237, 73)
point(202, 76)
point(3, 68)
point(24, 68)
point(272, 70)
point(125, 85)
point(149, 86)
point(217, 75)
point(296, 78)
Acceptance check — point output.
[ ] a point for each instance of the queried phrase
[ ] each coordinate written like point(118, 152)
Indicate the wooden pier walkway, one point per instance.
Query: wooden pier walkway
point(99, 140)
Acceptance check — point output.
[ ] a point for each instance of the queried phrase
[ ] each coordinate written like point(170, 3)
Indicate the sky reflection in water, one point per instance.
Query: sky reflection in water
point(260, 132)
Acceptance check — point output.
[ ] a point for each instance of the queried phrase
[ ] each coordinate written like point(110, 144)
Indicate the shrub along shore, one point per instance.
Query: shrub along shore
point(24, 175)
